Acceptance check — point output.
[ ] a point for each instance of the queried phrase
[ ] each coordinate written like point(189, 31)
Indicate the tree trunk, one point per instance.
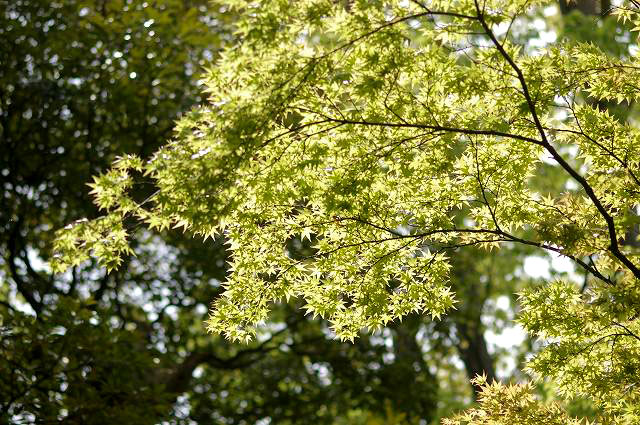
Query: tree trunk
point(470, 342)
point(588, 7)
point(474, 353)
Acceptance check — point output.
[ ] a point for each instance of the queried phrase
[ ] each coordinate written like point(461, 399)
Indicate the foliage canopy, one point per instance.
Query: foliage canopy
point(388, 135)
point(85, 81)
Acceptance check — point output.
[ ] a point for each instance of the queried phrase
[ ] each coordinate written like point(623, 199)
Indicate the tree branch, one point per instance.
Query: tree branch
point(614, 247)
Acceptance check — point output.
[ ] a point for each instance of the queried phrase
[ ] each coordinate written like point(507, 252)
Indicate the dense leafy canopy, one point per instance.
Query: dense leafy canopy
point(350, 152)
point(88, 346)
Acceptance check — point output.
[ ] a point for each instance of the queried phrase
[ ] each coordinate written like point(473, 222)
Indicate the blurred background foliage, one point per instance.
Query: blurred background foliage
point(82, 82)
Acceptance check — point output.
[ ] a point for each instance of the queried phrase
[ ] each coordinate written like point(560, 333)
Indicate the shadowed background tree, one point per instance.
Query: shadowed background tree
point(83, 82)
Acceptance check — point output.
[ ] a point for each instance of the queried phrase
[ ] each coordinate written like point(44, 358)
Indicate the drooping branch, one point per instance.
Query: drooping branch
point(614, 247)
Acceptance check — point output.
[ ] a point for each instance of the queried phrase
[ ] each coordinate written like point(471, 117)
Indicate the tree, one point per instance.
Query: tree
point(84, 82)
point(389, 134)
